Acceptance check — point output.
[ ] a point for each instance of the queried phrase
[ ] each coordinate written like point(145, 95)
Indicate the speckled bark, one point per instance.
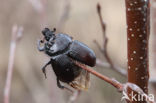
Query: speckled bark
point(137, 12)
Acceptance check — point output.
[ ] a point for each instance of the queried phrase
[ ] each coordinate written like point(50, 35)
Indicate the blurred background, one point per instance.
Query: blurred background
point(77, 18)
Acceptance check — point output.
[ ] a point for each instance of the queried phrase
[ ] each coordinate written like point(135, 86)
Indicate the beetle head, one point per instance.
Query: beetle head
point(48, 33)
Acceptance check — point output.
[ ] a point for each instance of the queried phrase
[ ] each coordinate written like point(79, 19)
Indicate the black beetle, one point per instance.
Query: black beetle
point(63, 52)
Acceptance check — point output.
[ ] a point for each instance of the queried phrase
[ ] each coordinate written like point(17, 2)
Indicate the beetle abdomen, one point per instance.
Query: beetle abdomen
point(82, 53)
point(65, 69)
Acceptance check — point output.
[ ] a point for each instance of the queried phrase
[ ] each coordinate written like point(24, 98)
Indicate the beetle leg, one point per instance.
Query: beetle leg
point(59, 84)
point(39, 47)
point(44, 68)
point(63, 87)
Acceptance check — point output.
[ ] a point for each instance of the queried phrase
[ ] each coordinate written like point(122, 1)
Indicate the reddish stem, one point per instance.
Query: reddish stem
point(113, 82)
point(137, 12)
point(16, 35)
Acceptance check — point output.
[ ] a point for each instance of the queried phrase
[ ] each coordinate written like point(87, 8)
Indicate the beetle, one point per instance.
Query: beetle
point(64, 52)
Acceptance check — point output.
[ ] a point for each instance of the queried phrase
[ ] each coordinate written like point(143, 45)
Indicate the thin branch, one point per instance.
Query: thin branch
point(16, 36)
point(113, 82)
point(105, 39)
point(122, 88)
point(104, 49)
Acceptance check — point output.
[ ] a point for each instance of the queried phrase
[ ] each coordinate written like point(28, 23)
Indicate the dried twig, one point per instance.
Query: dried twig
point(108, 80)
point(16, 36)
point(105, 39)
point(119, 86)
point(104, 49)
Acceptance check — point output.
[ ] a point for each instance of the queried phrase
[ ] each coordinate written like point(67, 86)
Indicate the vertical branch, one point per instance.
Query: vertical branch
point(16, 35)
point(137, 12)
point(105, 39)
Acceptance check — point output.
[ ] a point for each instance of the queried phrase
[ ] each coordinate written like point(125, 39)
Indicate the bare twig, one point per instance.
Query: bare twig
point(104, 49)
point(119, 86)
point(105, 39)
point(108, 80)
point(16, 36)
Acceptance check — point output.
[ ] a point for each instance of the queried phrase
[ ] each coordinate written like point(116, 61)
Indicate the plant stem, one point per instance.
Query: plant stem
point(16, 35)
point(137, 12)
point(113, 82)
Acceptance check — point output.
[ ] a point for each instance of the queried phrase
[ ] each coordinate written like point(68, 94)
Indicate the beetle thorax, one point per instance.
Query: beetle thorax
point(57, 44)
